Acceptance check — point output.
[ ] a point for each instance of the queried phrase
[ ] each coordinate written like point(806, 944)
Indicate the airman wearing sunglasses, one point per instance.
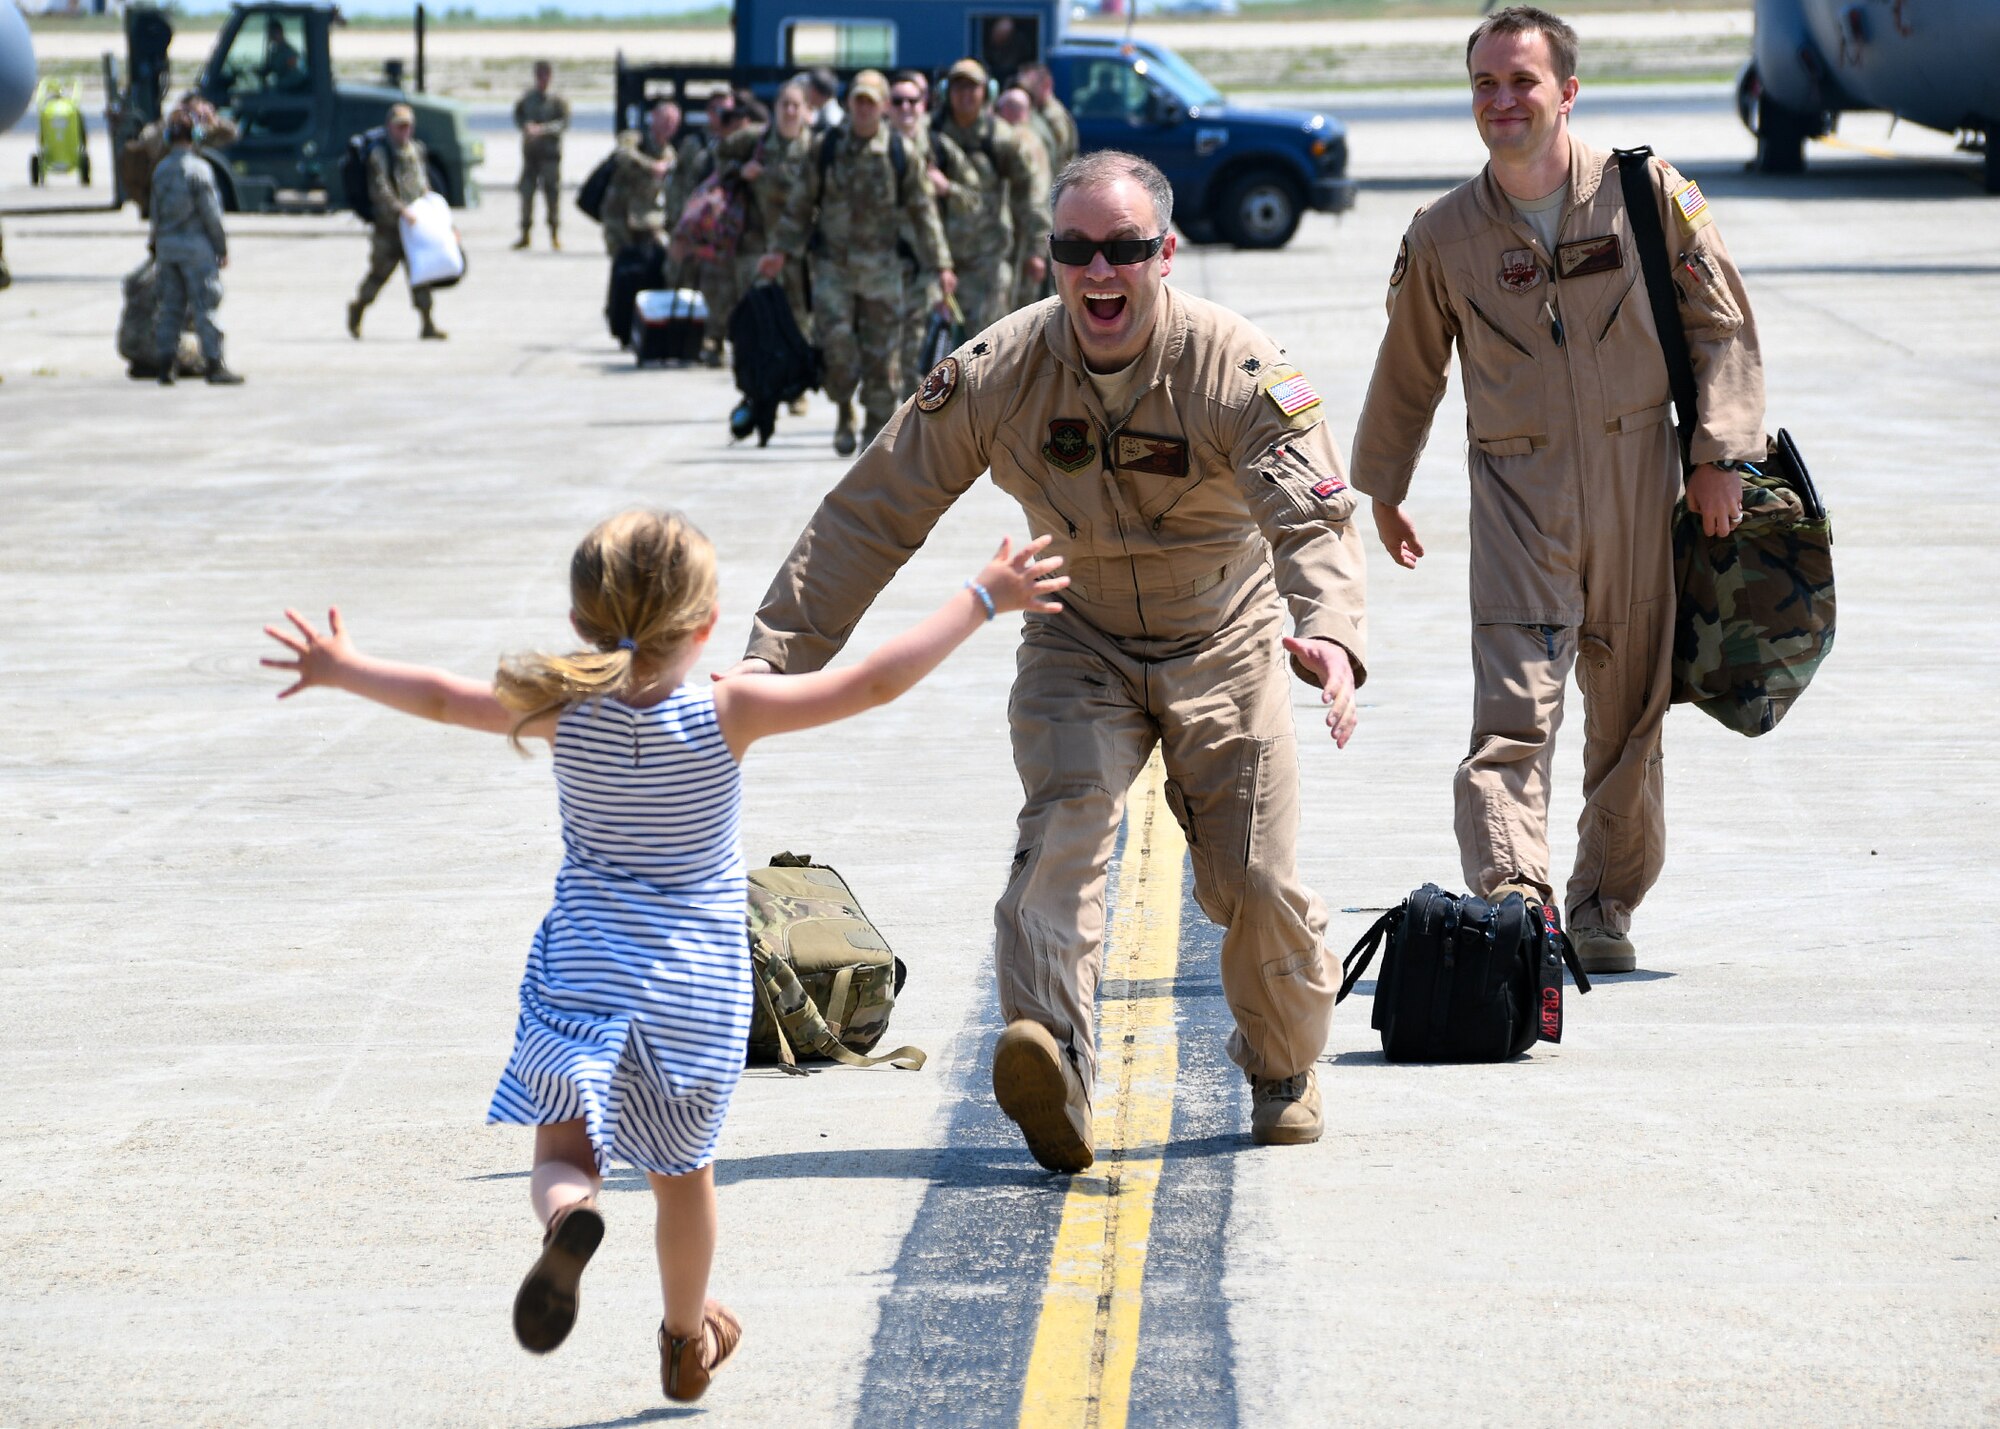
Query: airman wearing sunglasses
point(1188, 479)
point(1531, 271)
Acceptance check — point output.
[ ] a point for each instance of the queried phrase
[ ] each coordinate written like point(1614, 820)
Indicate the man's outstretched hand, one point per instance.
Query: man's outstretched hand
point(1335, 673)
point(754, 665)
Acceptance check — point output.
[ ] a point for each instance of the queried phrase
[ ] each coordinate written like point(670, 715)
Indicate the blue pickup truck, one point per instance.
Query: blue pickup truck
point(1242, 176)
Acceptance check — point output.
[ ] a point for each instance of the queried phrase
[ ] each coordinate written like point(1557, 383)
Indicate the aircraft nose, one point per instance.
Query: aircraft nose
point(17, 65)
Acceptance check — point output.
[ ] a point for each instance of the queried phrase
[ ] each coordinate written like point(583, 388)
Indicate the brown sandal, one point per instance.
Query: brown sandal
point(686, 1366)
point(545, 1307)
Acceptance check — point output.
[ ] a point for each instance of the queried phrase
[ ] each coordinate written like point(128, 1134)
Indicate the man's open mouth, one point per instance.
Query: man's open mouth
point(1104, 307)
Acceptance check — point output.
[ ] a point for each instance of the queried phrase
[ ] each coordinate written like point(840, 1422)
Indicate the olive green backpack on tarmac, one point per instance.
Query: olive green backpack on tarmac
point(826, 980)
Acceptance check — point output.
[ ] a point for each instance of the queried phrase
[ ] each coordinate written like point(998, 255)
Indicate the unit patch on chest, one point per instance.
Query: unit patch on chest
point(1156, 456)
point(1069, 444)
point(938, 386)
point(1518, 270)
point(1590, 255)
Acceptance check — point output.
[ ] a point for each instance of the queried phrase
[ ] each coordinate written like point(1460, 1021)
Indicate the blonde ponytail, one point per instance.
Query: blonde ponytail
point(640, 584)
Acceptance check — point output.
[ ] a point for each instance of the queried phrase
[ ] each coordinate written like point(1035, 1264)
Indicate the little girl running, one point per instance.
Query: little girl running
point(635, 1007)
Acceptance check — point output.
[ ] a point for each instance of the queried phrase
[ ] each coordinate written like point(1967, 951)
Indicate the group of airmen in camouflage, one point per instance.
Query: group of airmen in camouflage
point(1190, 482)
point(870, 224)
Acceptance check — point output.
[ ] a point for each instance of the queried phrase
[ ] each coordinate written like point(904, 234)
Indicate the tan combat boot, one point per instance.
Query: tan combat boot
point(522, 241)
point(1529, 895)
point(555, 240)
point(843, 429)
point(1285, 1111)
point(432, 332)
point(1601, 950)
point(354, 311)
point(1041, 1093)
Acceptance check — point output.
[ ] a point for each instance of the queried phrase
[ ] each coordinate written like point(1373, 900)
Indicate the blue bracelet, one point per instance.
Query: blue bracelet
point(984, 599)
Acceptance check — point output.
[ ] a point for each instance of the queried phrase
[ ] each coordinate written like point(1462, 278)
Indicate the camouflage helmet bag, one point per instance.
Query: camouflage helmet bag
point(1756, 607)
point(825, 979)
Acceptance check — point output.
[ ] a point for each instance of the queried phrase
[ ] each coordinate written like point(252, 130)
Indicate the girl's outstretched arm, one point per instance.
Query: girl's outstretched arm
point(332, 660)
point(749, 707)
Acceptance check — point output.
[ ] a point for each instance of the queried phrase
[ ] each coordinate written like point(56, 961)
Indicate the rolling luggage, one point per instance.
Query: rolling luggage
point(637, 267)
point(668, 325)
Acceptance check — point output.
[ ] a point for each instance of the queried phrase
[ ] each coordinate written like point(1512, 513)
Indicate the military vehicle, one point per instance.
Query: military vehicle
point(1932, 62)
point(1245, 175)
point(272, 72)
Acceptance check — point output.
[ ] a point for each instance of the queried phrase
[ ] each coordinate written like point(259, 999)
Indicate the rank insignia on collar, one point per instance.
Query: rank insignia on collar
point(1250, 365)
point(1069, 445)
point(938, 386)
point(1518, 270)
point(1590, 255)
point(1156, 456)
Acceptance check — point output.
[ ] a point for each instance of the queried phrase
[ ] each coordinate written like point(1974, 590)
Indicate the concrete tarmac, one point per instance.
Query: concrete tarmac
point(262, 959)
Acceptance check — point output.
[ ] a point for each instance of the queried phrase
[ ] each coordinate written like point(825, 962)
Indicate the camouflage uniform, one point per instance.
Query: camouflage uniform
point(1010, 223)
point(782, 167)
point(142, 154)
point(633, 209)
point(921, 289)
point(1033, 290)
point(855, 203)
point(716, 277)
point(1189, 525)
point(1575, 470)
point(189, 246)
point(541, 156)
point(396, 178)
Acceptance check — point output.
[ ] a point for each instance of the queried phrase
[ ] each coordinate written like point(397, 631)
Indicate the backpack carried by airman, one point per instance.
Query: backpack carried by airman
point(591, 193)
point(826, 980)
point(354, 171)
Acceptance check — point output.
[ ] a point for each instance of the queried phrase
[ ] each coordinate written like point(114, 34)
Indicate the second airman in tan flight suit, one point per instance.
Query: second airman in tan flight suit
point(1196, 496)
point(1574, 465)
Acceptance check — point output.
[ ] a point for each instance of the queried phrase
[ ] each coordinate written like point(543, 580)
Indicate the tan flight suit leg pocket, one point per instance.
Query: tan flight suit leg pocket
point(1500, 795)
point(1625, 674)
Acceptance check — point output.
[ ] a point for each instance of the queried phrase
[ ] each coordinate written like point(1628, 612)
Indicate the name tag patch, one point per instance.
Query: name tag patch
point(1518, 270)
point(1156, 456)
point(1590, 255)
point(1289, 391)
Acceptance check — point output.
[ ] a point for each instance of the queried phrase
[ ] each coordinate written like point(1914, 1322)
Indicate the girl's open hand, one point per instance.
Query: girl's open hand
point(1019, 581)
point(321, 657)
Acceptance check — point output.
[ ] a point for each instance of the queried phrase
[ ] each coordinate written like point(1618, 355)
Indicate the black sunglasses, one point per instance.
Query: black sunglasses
point(1118, 252)
point(907, 102)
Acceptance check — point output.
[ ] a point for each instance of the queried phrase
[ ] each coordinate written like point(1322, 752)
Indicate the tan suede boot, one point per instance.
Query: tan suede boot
point(1042, 1094)
point(1285, 1111)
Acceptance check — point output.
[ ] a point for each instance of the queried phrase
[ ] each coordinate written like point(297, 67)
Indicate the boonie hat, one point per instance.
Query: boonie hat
point(969, 70)
point(870, 82)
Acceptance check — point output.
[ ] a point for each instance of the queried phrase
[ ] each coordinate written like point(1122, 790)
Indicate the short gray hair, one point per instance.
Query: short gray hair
point(1105, 166)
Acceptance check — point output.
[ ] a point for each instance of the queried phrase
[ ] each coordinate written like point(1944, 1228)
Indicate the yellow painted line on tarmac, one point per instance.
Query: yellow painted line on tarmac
point(1087, 1339)
point(1834, 141)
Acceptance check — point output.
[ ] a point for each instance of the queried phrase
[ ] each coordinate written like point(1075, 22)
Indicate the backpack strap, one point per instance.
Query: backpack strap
point(899, 158)
point(799, 1021)
point(1642, 212)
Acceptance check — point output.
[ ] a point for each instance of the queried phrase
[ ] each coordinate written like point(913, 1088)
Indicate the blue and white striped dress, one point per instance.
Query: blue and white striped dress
point(635, 1007)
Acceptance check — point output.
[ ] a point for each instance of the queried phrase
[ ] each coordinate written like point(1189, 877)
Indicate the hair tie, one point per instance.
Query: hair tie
point(629, 645)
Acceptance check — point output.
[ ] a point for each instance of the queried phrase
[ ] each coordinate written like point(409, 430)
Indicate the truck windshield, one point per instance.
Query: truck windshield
point(1179, 76)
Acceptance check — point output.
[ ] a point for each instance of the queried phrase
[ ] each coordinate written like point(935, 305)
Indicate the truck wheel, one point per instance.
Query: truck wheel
point(34, 168)
point(1781, 137)
point(439, 183)
point(225, 187)
point(83, 169)
point(1197, 230)
point(1259, 209)
point(1993, 160)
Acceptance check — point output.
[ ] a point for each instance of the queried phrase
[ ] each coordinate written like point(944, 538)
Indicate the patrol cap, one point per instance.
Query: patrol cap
point(401, 114)
point(969, 70)
point(870, 82)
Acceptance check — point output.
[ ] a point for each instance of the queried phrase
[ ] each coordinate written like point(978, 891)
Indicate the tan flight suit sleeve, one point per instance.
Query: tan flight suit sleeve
point(1289, 472)
point(1411, 368)
point(868, 526)
point(1721, 334)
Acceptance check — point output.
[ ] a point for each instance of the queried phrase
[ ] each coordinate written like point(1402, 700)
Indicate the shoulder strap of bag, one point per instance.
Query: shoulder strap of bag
point(1356, 962)
point(798, 1021)
point(1643, 213)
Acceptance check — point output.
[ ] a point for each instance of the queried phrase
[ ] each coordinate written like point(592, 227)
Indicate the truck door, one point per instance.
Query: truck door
point(269, 73)
point(1117, 106)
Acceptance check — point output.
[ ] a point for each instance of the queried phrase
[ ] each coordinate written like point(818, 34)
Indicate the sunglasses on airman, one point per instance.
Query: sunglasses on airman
point(1118, 252)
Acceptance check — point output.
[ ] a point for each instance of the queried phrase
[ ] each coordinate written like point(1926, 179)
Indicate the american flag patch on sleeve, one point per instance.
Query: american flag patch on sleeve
point(1689, 201)
point(1290, 392)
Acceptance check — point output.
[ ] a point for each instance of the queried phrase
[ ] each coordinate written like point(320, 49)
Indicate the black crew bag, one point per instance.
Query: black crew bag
point(1463, 979)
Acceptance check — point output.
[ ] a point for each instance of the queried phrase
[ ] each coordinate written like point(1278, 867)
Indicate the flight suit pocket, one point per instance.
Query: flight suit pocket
point(1312, 493)
point(1509, 446)
point(1503, 381)
point(1705, 296)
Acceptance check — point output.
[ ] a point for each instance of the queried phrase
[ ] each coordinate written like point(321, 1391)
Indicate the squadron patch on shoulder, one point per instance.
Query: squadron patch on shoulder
point(1290, 392)
point(1069, 444)
point(1402, 268)
point(938, 386)
point(1589, 255)
point(1691, 206)
point(1156, 456)
point(1518, 270)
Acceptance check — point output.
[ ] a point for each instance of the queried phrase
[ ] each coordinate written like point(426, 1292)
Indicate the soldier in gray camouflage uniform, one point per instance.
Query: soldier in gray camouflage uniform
point(189, 246)
point(1007, 234)
point(853, 198)
point(542, 117)
point(397, 177)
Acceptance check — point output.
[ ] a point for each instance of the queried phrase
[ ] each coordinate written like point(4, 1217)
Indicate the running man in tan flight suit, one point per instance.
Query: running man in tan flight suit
point(1530, 270)
point(1191, 486)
